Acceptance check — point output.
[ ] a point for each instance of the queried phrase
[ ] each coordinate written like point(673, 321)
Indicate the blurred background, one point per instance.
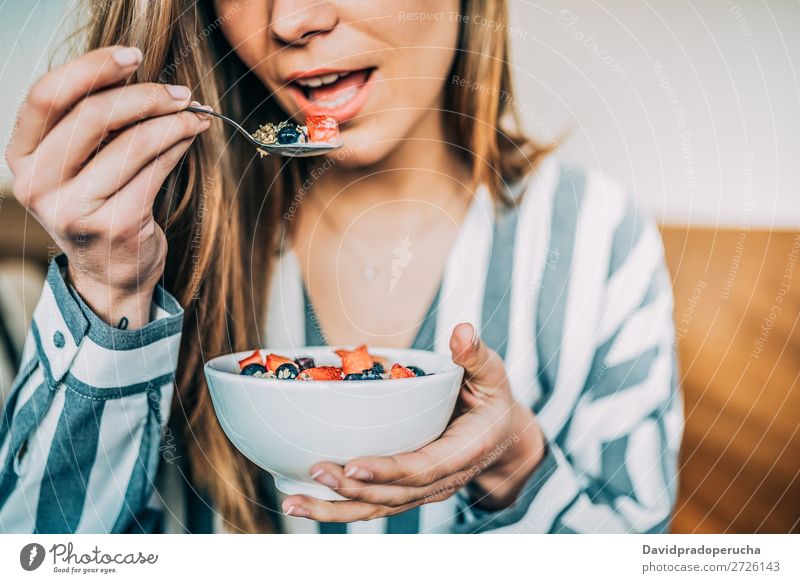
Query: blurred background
point(695, 106)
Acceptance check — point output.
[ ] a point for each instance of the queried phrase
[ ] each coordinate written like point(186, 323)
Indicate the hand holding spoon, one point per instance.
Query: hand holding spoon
point(296, 150)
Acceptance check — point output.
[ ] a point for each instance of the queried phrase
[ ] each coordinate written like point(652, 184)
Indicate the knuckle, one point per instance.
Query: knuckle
point(162, 245)
point(161, 93)
point(70, 229)
point(368, 494)
point(405, 498)
point(445, 494)
point(124, 232)
point(426, 476)
point(442, 492)
point(168, 158)
point(92, 111)
point(377, 512)
point(72, 226)
point(484, 451)
point(325, 514)
point(40, 94)
point(11, 159)
point(426, 469)
point(23, 185)
point(192, 123)
point(147, 135)
point(68, 219)
point(150, 97)
point(188, 123)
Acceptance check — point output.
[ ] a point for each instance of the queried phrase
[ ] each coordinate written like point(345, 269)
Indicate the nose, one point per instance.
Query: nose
point(294, 22)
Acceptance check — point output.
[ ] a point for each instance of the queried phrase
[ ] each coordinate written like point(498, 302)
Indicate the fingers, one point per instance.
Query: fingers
point(336, 511)
point(72, 213)
point(484, 369)
point(77, 137)
point(128, 153)
point(132, 205)
point(456, 449)
point(333, 476)
point(54, 93)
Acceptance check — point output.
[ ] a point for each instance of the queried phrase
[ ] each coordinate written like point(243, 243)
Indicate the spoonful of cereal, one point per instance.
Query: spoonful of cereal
point(319, 136)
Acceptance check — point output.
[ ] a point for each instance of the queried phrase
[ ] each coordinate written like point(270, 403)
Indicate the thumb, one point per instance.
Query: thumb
point(483, 368)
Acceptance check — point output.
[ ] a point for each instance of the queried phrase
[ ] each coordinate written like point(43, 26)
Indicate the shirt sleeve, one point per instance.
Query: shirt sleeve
point(613, 467)
point(81, 429)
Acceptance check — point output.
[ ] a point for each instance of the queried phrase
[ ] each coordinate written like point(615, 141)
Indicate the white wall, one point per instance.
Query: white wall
point(29, 31)
point(694, 105)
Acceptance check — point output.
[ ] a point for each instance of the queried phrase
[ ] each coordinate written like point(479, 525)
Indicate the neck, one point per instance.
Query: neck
point(423, 163)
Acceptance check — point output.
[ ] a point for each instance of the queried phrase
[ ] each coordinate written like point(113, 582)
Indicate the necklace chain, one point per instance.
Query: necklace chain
point(370, 270)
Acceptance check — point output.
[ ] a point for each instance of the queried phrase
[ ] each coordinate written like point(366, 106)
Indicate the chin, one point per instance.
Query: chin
point(362, 149)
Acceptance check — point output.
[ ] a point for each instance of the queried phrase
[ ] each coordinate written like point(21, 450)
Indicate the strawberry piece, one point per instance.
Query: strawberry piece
point(342, 352)
point(254, 358)
point(356, 361)
point(322, 128)
point(321, 373)
point(400, 372)
point(374, 359)
point(275, 360)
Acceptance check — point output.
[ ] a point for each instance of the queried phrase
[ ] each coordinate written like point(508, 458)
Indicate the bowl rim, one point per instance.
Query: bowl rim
point(450, 368)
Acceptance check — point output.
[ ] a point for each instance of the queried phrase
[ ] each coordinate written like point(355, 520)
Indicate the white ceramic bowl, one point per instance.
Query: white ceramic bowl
point(286, 426)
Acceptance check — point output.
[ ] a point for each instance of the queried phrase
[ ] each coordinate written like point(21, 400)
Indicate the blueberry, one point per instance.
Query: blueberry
point(304, 362)
point(288, 135)
point(378, 368)
point(370, 374)
point(354, 376)
point(252, 369)
point(416, 370)
point(287, 371)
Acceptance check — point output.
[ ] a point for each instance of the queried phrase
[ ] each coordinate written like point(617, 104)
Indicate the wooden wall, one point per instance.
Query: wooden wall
point(737, 305)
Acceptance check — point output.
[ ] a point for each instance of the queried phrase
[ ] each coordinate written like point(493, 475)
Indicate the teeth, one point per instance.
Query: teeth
point(310, 82)
point(339, 101)
point(318, 81)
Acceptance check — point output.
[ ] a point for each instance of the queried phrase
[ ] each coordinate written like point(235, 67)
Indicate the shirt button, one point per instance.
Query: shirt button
point(58, 339)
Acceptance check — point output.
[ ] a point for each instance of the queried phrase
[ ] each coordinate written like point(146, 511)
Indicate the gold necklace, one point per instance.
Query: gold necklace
point(401, 253)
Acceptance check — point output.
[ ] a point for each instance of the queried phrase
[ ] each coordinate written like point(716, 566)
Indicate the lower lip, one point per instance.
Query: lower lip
point(343, 112)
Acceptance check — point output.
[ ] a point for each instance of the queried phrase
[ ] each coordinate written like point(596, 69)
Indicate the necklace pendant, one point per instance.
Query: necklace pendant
point(368, 273)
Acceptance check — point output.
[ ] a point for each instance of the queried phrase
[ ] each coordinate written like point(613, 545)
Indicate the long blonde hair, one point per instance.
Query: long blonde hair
point(214, 267)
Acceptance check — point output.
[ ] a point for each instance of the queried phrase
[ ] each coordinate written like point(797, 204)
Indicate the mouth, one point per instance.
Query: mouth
point(341, 94)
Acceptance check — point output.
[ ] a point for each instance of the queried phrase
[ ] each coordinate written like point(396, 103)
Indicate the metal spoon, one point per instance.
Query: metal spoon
point(299, 150)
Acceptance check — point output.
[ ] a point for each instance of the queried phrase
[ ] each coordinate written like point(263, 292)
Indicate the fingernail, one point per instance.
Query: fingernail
point(202, 116)
point(476, 340)
point(327, 479)
point(179, 92)
point(299, 511)
point(197, 104)
point(359, 474)
point(127, 56)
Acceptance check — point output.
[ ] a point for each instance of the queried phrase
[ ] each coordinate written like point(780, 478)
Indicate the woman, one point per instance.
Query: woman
point(439, 226)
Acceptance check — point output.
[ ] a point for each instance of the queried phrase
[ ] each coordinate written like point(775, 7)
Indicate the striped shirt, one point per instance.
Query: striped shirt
point(569, 287)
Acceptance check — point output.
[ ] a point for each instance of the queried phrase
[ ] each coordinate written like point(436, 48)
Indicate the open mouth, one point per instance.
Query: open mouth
point(337, 93)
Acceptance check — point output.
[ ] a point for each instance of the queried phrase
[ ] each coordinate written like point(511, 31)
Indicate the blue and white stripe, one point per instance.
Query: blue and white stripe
point(570, 288)
point(82, 426)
